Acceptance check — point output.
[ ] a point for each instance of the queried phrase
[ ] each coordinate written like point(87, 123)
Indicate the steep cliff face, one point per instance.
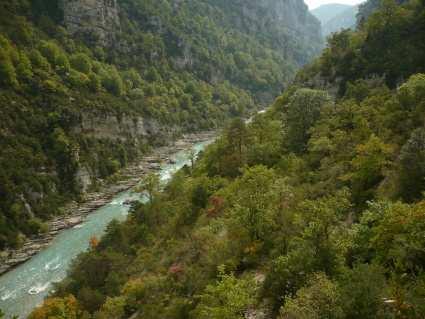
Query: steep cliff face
point(133, 132)
point(285, 25)
point(96, 20)
point(126, 128)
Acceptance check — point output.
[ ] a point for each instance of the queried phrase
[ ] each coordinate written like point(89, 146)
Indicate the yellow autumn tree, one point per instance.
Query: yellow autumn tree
point(58, 308)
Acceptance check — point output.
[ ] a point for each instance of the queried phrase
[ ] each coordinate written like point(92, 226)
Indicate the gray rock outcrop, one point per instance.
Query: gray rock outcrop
point(96, 20)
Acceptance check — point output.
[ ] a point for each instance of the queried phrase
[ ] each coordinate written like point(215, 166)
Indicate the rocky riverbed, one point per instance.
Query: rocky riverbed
point(75, 213)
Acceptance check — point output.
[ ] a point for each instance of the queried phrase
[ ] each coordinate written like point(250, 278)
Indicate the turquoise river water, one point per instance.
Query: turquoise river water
point(25, 287)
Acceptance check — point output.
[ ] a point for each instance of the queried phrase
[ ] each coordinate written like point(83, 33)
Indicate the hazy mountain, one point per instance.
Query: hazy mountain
point(344, 20)
point(335, 17)
point(327, 12)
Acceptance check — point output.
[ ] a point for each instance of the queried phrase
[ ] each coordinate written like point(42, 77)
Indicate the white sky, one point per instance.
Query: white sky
point(312, 4)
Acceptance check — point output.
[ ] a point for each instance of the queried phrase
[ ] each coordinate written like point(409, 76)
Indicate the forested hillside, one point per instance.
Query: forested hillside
point(313, 210)
point(374, 52)
point(88, 86)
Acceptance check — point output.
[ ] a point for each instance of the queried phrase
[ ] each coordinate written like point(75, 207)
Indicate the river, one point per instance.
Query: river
point(24, 288)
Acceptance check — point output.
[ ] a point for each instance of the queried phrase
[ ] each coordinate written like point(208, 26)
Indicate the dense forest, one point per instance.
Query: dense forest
point(175, 66)
point(315, 209)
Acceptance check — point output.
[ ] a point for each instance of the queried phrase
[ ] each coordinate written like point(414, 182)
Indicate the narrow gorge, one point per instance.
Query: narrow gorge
point(212, 159)
point(89, 88)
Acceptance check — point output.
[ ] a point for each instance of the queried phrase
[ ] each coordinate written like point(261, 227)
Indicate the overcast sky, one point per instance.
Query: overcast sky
point(316, 3)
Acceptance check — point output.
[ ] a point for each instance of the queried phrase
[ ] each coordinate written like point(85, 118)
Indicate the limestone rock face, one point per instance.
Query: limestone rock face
point(125, 128)
point(96, 20)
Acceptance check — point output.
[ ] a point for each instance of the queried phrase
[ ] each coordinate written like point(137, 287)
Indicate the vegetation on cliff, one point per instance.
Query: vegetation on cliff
point(179, 65)
point(313, 210)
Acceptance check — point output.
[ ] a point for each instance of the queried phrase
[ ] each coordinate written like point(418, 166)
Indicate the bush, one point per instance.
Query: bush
point(39, 61)
point(50, 50)
point(78, 79)
point(81, 62)
point(94, 83)
point(24, 68)
point(7, 70)
point(112, 81)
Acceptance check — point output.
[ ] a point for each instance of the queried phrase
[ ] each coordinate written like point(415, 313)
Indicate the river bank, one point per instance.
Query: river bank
point(76, 213)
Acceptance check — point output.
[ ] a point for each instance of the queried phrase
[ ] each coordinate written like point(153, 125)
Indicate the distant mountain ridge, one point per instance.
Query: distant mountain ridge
point(335, 17)
point(327, 12)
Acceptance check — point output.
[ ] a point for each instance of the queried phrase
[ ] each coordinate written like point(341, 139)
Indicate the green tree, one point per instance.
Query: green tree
point(412, 166)
point(113, 308)
point(24, 68)
point(39, 61)
point(265, 142)
point(132, 79)
point(94, 83)
point(51, 51)
point(78, 79)
point(371, 162)
point(288, 273)
point(112, 81)
point(64, 151)
point(7, 70)
point(229, 298)
point(302, 111)
point(62, 64)
point(81, 62)
point(151, 186)
point(391, 233)
point(362, 291)
point(319, 299)
point(253, 202)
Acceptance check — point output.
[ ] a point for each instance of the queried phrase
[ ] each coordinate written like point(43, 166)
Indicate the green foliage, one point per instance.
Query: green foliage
point(24, 68)
point(78, 79)
point(412, 166)
point(319, 225)
point(51, 51)
point(253, 210)
point(375, 49)
point(319, 299)
point(150, 185)
point(362, 290)
point(318, 202)
point(39, 61)
point(94, 83)
point(229, 298)
point(66, 308)
point(132, 79)
point(81, 63)
point(369, 165)
point(52, 82)
point(7, 69)
point(303, 111)
point(112, 81)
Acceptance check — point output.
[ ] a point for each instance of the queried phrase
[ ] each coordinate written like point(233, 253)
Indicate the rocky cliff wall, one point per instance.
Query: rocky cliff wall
point(124, 128)
point(95, 20)
point(118, 130)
